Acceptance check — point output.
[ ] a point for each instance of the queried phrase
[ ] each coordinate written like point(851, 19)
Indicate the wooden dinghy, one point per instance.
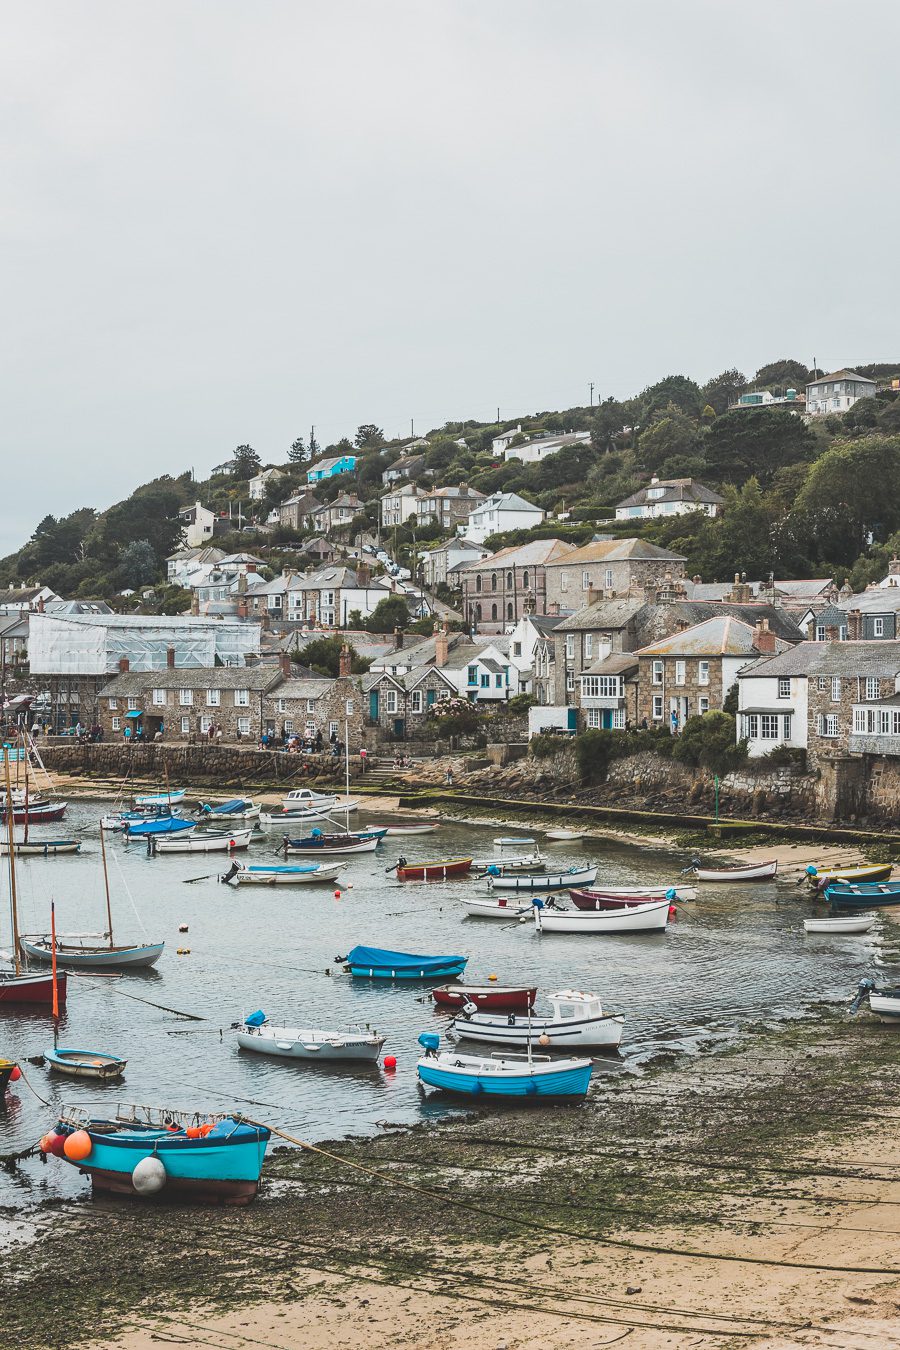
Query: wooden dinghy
point(553, 881)
point(502, 867)
point(529, 1077)
point(204, 841)
point(438, 870)
point(851, 923)
point(501, 908)
point(358, 1044)
point(629, 895)
point(822, 877)
point(50, 848)
point(423, 827)
point(764, 871)
point(652, 918)
point(37, 813)
point(85, 1063)
point(564, 836)
point(74, 951)
point(865, 895)
point(319, 845)
point(300, 875)
point(502, 998)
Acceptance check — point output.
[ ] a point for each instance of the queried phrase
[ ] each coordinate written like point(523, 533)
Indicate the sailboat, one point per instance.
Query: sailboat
point(16, 803)
point(18, 985)
point(78, 1063)
point(46, 848)
point(92, 950)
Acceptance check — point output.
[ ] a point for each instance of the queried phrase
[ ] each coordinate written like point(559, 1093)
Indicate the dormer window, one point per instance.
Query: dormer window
point(655, 492)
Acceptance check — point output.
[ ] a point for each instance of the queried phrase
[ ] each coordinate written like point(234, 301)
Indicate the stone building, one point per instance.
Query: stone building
point(607, 568)
point(399, 704)
point(502, 587)
point(305, 707)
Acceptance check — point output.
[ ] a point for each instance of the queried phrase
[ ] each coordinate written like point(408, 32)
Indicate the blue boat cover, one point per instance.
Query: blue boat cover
point(229, 808)
point(370, 957)
point(255, 1019)
point(279, 867)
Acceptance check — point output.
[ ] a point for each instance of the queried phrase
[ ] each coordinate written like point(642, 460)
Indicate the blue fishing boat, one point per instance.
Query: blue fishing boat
point(863, 894)
point(375, 963)
point(162, 1154)
point(85, 1063)
point(526, 1077)
point(163, 825)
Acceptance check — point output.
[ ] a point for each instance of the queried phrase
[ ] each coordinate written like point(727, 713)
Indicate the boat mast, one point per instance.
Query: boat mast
point(25, 752)
point(10, 834)
point(346, 763)
point(53, 972)
point(106, 884)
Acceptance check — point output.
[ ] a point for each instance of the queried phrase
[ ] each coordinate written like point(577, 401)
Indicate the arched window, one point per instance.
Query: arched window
point(525, 580)
point(478, 614)
point(509, 581)
point(509, 611)
point(494, 613)
point(493, 581)
point(478, 584)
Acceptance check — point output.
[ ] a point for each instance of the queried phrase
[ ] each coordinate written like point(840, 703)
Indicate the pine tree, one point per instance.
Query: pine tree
point(297, 453)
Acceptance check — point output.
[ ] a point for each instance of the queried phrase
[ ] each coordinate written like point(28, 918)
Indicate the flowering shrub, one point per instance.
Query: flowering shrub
point(454, 717)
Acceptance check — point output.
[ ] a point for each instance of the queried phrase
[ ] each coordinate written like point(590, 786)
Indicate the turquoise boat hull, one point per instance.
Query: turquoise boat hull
point(223, 1167)
point(571, 1084)
point(435, 972)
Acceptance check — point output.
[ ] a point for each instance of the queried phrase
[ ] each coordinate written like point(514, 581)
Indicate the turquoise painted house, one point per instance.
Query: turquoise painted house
point(330, 468)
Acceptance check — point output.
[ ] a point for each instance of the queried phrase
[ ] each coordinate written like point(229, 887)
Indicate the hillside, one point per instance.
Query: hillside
point(801, 500)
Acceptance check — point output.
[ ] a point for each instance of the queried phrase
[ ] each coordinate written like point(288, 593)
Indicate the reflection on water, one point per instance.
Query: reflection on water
point(736, 955)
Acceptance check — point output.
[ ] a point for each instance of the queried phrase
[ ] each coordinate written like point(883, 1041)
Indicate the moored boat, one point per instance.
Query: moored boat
point(763, 871)
point(204, 841)
point(503, 998)
point(576, 1020)
point(529, 1077)
point(49, 848)
point(513, 842)
point(564, 836)
point(318, 844)
point(423, 827)
point(87, 951)
point(586, 900)
point(141, 829)
point(501, 908)
point(166, 798)
point(379, 963)
point(238, 808)
point(649, 918)
point(282, 875)
point(437, 870)
point(7, 1069)
point(628, 895)
point(827, 876)
point(36, 813)
point(884, 1003)
point(300, 815)
point(160, 1153)
point(863, 895)
point(553, 881)
point(33, 987)
point(85, 1063)
point(502, 867)
point(851, 923)
point(300, 798)
point(357, 1044)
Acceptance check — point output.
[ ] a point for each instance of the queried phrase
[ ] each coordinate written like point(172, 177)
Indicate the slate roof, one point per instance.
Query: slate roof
point(256, 678)
point(723, 635)
point(620, 550)
point(831, 617)
point(879, 600)
point(832, 658)
point(673, 490)
point(608, 615)
point(840, 375)
point(533, 554)
point(617, 663)
point(314, 687)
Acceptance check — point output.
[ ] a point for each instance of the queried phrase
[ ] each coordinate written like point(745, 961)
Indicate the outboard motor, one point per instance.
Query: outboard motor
point(864, 987)
point(429, 1041)
point(232, 872)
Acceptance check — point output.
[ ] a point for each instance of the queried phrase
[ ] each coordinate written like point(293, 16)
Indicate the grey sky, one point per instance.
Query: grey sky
point(223, 221)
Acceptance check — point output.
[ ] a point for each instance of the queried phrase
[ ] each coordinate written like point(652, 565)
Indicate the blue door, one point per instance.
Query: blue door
point(373, 705)
point(572, 719)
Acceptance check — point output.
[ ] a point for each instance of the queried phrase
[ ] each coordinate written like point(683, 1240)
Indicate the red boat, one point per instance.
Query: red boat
point(37, 813)
point(593, 900)
point(32, 988)
point(485, 996)
point(432, 871)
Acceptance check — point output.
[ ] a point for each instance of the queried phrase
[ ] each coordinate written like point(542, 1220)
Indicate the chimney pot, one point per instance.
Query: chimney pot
point(124, 665)
point(170, 658)
point(284, 661)
point(344, 662)
point(764, 640)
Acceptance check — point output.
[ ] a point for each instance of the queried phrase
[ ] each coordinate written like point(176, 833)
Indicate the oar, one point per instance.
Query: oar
point(188, 881)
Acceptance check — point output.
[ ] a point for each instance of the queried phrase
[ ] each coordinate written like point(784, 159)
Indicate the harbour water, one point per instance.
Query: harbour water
point(734, 957)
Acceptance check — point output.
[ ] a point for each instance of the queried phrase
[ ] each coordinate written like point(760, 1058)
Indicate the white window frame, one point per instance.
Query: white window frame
point(751, 726)
point(185, 726)
point(213, 698)
point(702, 704)
point(681, 672)
point(159, 698)
point(835, 688)
point(242, 698)
point(243, 726)
point(768, 727)
point(608, 579)
point(415, 701)
point(657, 712)
point(873, 688)
point(588, 646)
point(132, 703)
point(117, 724)
point(656, 674)
point(310, 705)
point(390, 700)
point(784, 686)
point(570, 646)
point(878, 627)
point(186, 698)
point(593, 718)
point(205, 724)
point(585, 581)
point(703, 673)
point(113, 704)
point(333, 727)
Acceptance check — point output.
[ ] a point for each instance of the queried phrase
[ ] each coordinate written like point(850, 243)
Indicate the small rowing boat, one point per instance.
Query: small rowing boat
point(630, 895)
point(377, 963)
point(865, 895)
point(256, 1033)
point(764, 871)
point(504, 842)
point(141, 829)
point(554, 881)
point(651, 918)
point(822, 877)
point(564, 836)
point(851, 923)
point(576, 1020)
point(85, 1063)
point(37, 813)
point(7, 1069)
point(503, 998)
point(501, 908)
point(502, 867)
point(204, 841)
point(425, 827)
point(50, 848)
point(884, 1003)
point(160, 798)
point(239, 808)
point(530, 1077)
point(265, 875)
point(438, 870)
point(320, 845)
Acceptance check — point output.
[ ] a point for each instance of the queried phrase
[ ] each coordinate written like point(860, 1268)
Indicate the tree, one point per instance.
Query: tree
point(390, 613)
point(297, 453)
point(138, 564)
point(757, 442)
point(245, 462)
point(852, 495)
point(723, 390)
point(710, 742)
point(368, 435)
point(670, 434)
point(781, 375)
point(323, 655)
point(678, 390)
point(863, 416)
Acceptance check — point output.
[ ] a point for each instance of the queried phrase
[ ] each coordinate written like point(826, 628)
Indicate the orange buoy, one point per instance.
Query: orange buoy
point(16, 1074)
point(78, 1146)
point(45, 1143)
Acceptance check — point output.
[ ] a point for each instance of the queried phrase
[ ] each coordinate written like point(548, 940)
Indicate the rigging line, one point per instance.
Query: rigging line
point(41, 1099)
point(191, 1017)
point(128, 893)
point(565, 1232)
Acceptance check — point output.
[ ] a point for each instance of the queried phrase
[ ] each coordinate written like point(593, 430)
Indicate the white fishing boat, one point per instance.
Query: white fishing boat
point(852, 923)
point(501, 867)
point(530, 1077)
point(576, 1020)
point(426, 827)
point(328, 845)
point(513, 842)
point(166, 798)
point(301, 798)
point(90, 951)
point(501, 908)
point(564, 836)
point(764, 871)
point(209, 841)
point(256, 1033)
point(553, 881)
point(300, 875)
point(650, 918)
point(269, 819)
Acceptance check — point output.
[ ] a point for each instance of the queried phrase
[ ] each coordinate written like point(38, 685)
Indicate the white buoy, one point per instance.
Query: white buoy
point(149, 1177)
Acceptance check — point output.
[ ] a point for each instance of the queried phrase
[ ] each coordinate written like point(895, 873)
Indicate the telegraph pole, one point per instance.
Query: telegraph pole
point(592, 393)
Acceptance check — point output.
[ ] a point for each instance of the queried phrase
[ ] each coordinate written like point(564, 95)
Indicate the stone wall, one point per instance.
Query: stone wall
point(219, 765)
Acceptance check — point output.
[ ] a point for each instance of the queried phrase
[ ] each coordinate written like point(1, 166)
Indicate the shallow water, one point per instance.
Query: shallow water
point(735, 956)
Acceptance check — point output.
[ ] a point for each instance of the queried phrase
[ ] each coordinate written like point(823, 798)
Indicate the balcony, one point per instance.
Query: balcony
point(602, 701)
point(873, 743)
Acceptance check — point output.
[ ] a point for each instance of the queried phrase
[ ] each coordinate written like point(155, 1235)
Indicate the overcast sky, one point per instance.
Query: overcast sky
point(222, 222)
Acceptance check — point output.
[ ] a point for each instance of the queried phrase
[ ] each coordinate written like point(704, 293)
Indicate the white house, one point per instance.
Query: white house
point(438, 562)
point(198, 524)
point(502, 511)
point(543, 445)
point(400, 505)
point(773, 704)
point(531, 631)
point(257, 486)
point(837, 392)
point(670, 497)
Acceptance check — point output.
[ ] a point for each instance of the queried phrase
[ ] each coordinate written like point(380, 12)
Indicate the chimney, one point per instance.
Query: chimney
point(398, 639)
point(363, 573)
point(763, 638)
point(40, 605)
point(344, 662)
point(592, 596)
point(242, 607)
point(529, 604)
point(124, 665)
point(854, 625)
point(441, 646)
point(697, 580)
point(195, 602)
point(832, 634)
point(740, 593)
point(285, 664)
point(649, 593)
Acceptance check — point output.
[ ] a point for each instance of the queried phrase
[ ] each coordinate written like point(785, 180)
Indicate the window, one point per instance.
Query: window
point(498, 681)
point(493, 612)
point(820, 632)
point(608, 579)
point(703, 673)
point(657, 676)
point(485, 681)
point(768, 727)
point(525, 580)
point(205, 724)
point(570, 646)
point(509, 611)
point(657, 707)
point(618, 719)
point(185, 726)
point(510, 582)
point(822, 683)
point(113, 703)
point(390, 700)
point(702, 705)
point(472, 675)
point(333, 728)
point(185, 697)
point(242, 698)
point(478, 614)
point(593, 717)
point(310, 705)
point(784, 688)
point(835, 688)
point(600, 686)
point(563, 580)
point(493, 581)
point(243, 726)
point(116, 724)
point(444, 694)
point(878, 627)
point(873, 686)
point(585, 581)
point(213, 698)
point(478, 584)
point(786, 719)
point(827, 724)
point(517, 649)
point(859, 720)
point(588, 646)
point(132, 704)
point(570, 682)
point(751, 726)
point(680, 672)
point(415, 701)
